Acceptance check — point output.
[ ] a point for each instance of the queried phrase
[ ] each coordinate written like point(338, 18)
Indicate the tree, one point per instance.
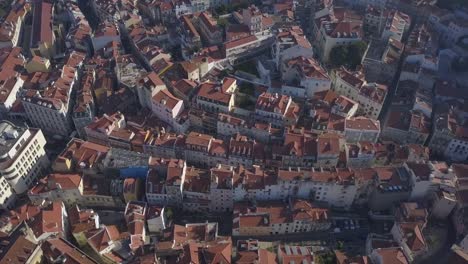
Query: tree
point(350, 55)
point(339, 56)
point(325, 258)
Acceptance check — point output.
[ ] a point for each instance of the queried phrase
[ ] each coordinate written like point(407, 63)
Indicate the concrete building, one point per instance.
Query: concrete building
point(370, 96)
point(213, 97)
point(23, 159)
point(84, 109)
point(303, 77)
point(156, 219)
point(58, 187)
point(361, 129)
point(43, 33)
point(166, 106)
point(406, 127)
point(51, 108)
point(275, 217)
point(11, 82)
point(148, 87)
point(209, 29)
point(339, 27)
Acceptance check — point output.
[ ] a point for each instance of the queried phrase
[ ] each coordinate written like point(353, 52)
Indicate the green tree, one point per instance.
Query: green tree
point(339, 56)
point(325, 258)
point(350, 55)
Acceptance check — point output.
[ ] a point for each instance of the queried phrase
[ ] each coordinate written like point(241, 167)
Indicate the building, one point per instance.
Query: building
point(381, 59)
point(105, 34)
point(410, 238)
point(43, 33)
point(251, 249)
point(290, 43)
point(18, 248)
point(406, 127)
point(84, 109)
point(213, 97)
point(82, 221)
point(361, 129)
point(396, 25)
point(209, 29)
point(196, 190)
point(392, 186)
point(299, 254)
point(80, 155)
point(360, 155)
point(23, 158)
point(303, 77)
point(50, 109)
point(10, 33)
point(275, 217)
point(221, 189)
point(156, 219)
point(167, 107)
point(148, 87)
point(274, 108)
point(11, 66)
point(58, 187)
point(337, 28)
point(57, 249)
point(101, 129)
point(370, 96)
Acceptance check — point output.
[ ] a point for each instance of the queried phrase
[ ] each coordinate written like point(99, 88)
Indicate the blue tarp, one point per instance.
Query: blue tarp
point(134, 172)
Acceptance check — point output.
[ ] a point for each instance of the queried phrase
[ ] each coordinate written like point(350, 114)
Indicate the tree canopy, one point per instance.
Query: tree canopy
point(350, 55)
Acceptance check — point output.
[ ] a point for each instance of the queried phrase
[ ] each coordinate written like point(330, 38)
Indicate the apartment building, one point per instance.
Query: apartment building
point(290, 43)
point(84, 110)
point(361, 129)
point(58, 187)
point(196, 190)
point(106, 33)
point(221, 188)
point(277, 217)
point(166, 106)
point(100, 130)
point(274, 108)
point(407, 127)
point(209, 29)
point(339, 27)
point(42, 42)
point(23, 159)
point(11, 65)
point(303, 77)
point(164, 181)
point(370, 96)
point(13, 24)
point(396, 26)
point(360, 154)
point(189, 34)
point(148, 87)
point(51, 108)
point(212, 97)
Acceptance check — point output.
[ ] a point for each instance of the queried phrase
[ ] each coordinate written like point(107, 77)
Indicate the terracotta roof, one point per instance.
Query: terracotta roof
point(212, 91)
point(164, 97)
point(392, 255)
point(239, 42)
point(362, 123)
point(42, 23)
point(49, 220)
point(308, 68)
point(56, 181)
point(185, 86)
point(273, 103)
point(54, 249)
